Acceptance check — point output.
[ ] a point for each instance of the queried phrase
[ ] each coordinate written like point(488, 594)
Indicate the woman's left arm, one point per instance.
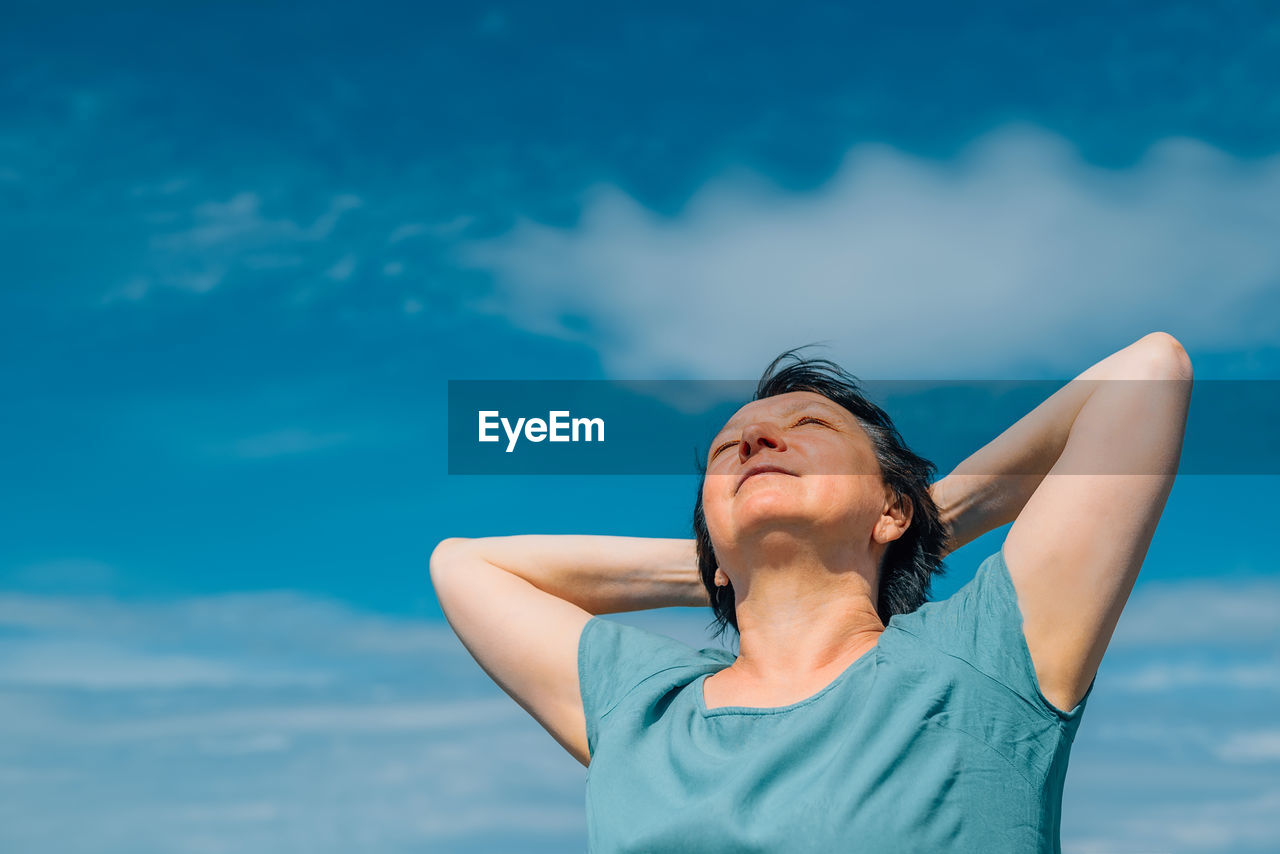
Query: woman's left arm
point(1084, 477)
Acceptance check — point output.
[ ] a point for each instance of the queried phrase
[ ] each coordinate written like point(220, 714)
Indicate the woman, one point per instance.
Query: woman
point(856, 715)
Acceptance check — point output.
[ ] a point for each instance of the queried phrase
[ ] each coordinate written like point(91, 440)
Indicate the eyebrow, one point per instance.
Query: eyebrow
point(715, 440)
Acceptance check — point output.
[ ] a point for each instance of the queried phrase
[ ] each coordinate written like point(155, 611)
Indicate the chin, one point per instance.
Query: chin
point(765, 516)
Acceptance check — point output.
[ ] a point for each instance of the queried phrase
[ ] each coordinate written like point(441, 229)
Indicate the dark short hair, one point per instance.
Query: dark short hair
point(909, 562)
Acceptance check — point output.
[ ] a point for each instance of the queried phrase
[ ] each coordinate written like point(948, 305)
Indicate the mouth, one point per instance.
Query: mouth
point(755, 470)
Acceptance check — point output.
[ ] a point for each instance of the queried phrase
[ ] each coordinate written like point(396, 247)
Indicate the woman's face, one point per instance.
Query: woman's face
point(793, 465)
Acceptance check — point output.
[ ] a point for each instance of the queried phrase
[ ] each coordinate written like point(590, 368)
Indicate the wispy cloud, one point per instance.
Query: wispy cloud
point(245, 716)
point(1203, 613)
point(231, 722)
point(98, 665)
point(1256, 746)
point(899, 261)
point(1176, 675)
point(1242, 824)
point(285, 442)
point(283, 622)
point(222, 235)
point(268, 727)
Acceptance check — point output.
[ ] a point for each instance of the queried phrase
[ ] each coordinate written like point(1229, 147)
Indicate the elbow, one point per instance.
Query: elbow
point(1166, 357)
point(445, 554)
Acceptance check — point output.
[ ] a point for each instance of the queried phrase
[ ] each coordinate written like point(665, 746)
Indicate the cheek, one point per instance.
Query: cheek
point(710, 504)
point(716, 506)
point(849, 495)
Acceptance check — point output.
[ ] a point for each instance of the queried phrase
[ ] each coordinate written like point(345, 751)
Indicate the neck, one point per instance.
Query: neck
point(804, 620)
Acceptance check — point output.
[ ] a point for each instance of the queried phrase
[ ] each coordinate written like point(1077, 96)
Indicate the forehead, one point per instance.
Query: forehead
point(785, 404)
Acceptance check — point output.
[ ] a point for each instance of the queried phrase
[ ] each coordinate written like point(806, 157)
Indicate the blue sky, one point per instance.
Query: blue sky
point(245, 246)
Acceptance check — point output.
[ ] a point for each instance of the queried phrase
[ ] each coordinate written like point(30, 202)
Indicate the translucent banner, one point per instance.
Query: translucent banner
point(666, 427)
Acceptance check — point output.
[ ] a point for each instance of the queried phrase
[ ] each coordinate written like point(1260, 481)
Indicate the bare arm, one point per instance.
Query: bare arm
point(519, 604)
point(990, 488)
point(1080, 534)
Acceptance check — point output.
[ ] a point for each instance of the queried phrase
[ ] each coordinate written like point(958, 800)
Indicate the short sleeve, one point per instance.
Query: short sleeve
point(982, 624)
point(614, 659)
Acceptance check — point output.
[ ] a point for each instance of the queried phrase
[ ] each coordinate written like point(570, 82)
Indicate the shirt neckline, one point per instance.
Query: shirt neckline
point(867, 657)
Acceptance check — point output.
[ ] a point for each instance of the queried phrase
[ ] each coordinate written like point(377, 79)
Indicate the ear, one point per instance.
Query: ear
point(895, 518)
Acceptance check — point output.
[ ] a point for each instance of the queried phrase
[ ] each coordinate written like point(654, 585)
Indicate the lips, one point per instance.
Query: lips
point(761, 469)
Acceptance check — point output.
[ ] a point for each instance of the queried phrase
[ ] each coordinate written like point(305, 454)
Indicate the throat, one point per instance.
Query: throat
point(730, 687)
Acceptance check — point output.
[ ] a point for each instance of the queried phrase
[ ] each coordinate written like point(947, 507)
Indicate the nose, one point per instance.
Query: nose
point(757, 436)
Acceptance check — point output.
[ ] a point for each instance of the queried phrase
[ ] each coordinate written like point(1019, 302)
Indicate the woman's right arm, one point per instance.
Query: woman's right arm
point(519, 604)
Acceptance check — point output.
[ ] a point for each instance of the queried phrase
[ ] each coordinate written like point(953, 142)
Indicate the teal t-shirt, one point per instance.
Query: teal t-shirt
point(938, 739)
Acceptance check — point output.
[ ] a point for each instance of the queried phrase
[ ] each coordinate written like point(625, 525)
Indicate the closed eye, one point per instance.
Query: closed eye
point(722, 447)
point(805, 420)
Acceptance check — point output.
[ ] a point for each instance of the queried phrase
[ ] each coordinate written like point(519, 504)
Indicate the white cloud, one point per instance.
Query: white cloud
point(283, 621)
point(1244, 823)
point(285, 442)
point(273, 638)
point(405, 744)
point(1017, 253)
point(1198, 612)
point(443, 229)
point(272, 728)
point(100, 665)
point(342, 268)
point(1176, 675)
point(228, 723)
point(223, 235)
point(1255, 746)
